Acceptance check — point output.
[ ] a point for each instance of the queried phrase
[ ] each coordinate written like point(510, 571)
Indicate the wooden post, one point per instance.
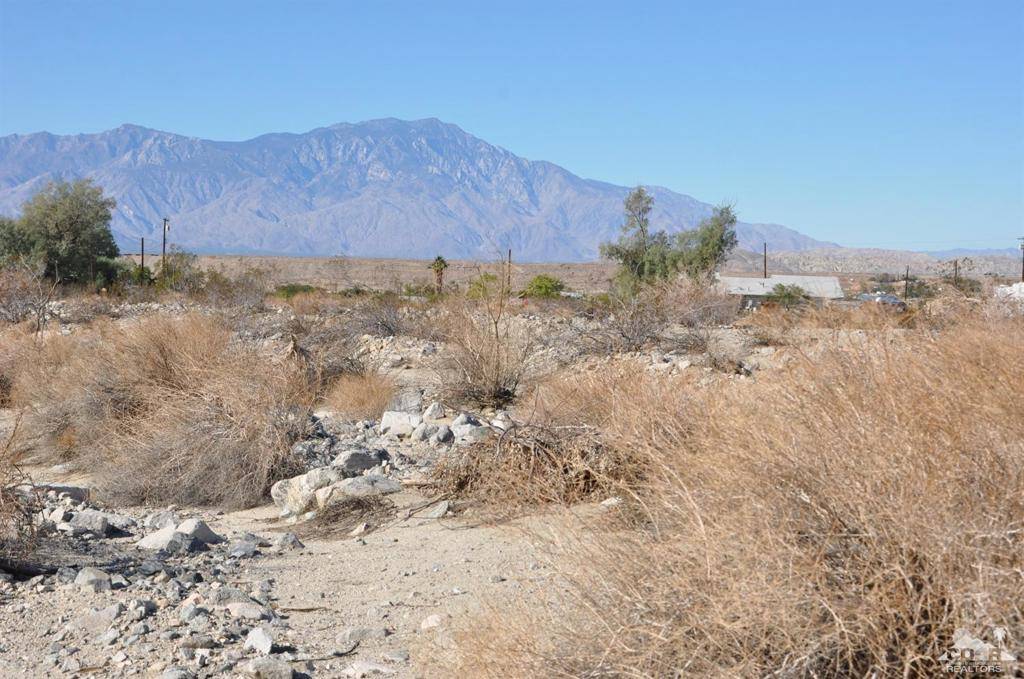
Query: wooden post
point(956, 273)
point(163, 250)
point(142, 266)
point(766, 259)
point(508, 279)
point(906, 284)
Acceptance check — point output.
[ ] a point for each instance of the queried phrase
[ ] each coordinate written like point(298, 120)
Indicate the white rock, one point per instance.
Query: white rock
point(92, 579)
point(248, 610)
point(157, 540)
point(268, 668)
point(398, 423)
point(293, 496)
point(366, 668)
point(260, 640)
point(431, 622)
point(435, 411)
point(198, 529)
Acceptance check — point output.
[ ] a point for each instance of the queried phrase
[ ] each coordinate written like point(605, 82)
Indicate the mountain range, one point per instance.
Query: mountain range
point(381, 188)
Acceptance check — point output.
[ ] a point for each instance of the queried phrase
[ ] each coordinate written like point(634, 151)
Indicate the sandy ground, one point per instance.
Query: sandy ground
point(393, 579)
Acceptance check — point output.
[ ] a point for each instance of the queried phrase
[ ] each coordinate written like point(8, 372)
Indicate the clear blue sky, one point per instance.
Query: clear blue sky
point(892, 123)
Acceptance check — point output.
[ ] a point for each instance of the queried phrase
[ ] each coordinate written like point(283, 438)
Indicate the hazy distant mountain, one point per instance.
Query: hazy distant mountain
point(379, 188)
point(975, 252)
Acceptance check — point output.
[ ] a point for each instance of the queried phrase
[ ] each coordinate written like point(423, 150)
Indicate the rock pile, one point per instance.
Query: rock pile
point(165, 596)
point(345, 459)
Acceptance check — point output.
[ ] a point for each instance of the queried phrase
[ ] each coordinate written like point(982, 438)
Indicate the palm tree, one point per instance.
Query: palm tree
point(438, 266)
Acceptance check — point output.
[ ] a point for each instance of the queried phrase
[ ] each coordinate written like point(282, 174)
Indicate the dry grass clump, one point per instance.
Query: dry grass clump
point(16, 347)
point(561, 457)
point(313, 303)
point(360, 396)
point(530, 466)
point(361, 515)
point(842, 519)
point(167, 410)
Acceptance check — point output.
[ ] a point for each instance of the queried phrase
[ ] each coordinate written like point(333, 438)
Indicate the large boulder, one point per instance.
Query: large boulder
point(293, 496)
point(90, 521)
point(398, 423)
point(198, 529)
point(101, 523)
point(157, 540)
point(93, 580)
point(359, 486)
point(435, 411)
point(170, 540)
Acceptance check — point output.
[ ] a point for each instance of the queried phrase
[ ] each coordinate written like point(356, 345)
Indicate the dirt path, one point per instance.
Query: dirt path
point(374, 604)
point(390, 584)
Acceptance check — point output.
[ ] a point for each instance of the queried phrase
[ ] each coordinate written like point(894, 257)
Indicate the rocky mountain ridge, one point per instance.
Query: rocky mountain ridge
point(382, 188)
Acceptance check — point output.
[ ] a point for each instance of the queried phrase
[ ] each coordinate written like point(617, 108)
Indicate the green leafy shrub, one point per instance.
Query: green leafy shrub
point(788, 296)
point(289, 290)
point(544, 286)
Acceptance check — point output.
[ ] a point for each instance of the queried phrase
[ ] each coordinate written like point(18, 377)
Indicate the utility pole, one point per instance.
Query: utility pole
point(906, 284)
point(1021, 239)
point(142, 266)
point(766, 259)
point(163, 249)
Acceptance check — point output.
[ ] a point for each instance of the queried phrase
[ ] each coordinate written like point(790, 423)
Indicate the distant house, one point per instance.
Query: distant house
point(754, 289)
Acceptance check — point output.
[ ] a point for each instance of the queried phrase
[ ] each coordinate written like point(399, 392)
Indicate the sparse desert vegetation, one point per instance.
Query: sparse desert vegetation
point(657, 480)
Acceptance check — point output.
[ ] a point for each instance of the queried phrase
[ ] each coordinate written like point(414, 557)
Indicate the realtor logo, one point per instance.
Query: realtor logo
point(971, 655)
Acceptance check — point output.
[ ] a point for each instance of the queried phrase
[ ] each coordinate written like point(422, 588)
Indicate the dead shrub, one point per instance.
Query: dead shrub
point(350, 514)
point(25, 293)
point(695, 308)
point(595, 398)
point(362, 396)
point(528, 466)
point(382, 315)
point(327, 352)
point(841, 519)
point(487, 355)
point(168, 410)
point(245, 291)
point(561, 456)
point(630, 322)
point(17, 503)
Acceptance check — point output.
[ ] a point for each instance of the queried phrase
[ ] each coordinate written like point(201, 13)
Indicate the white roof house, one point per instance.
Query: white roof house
point(817, 287)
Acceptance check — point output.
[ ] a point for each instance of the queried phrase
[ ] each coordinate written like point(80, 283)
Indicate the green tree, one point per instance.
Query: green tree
point(700, 252)
point(65, 227)
point(644, 256)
